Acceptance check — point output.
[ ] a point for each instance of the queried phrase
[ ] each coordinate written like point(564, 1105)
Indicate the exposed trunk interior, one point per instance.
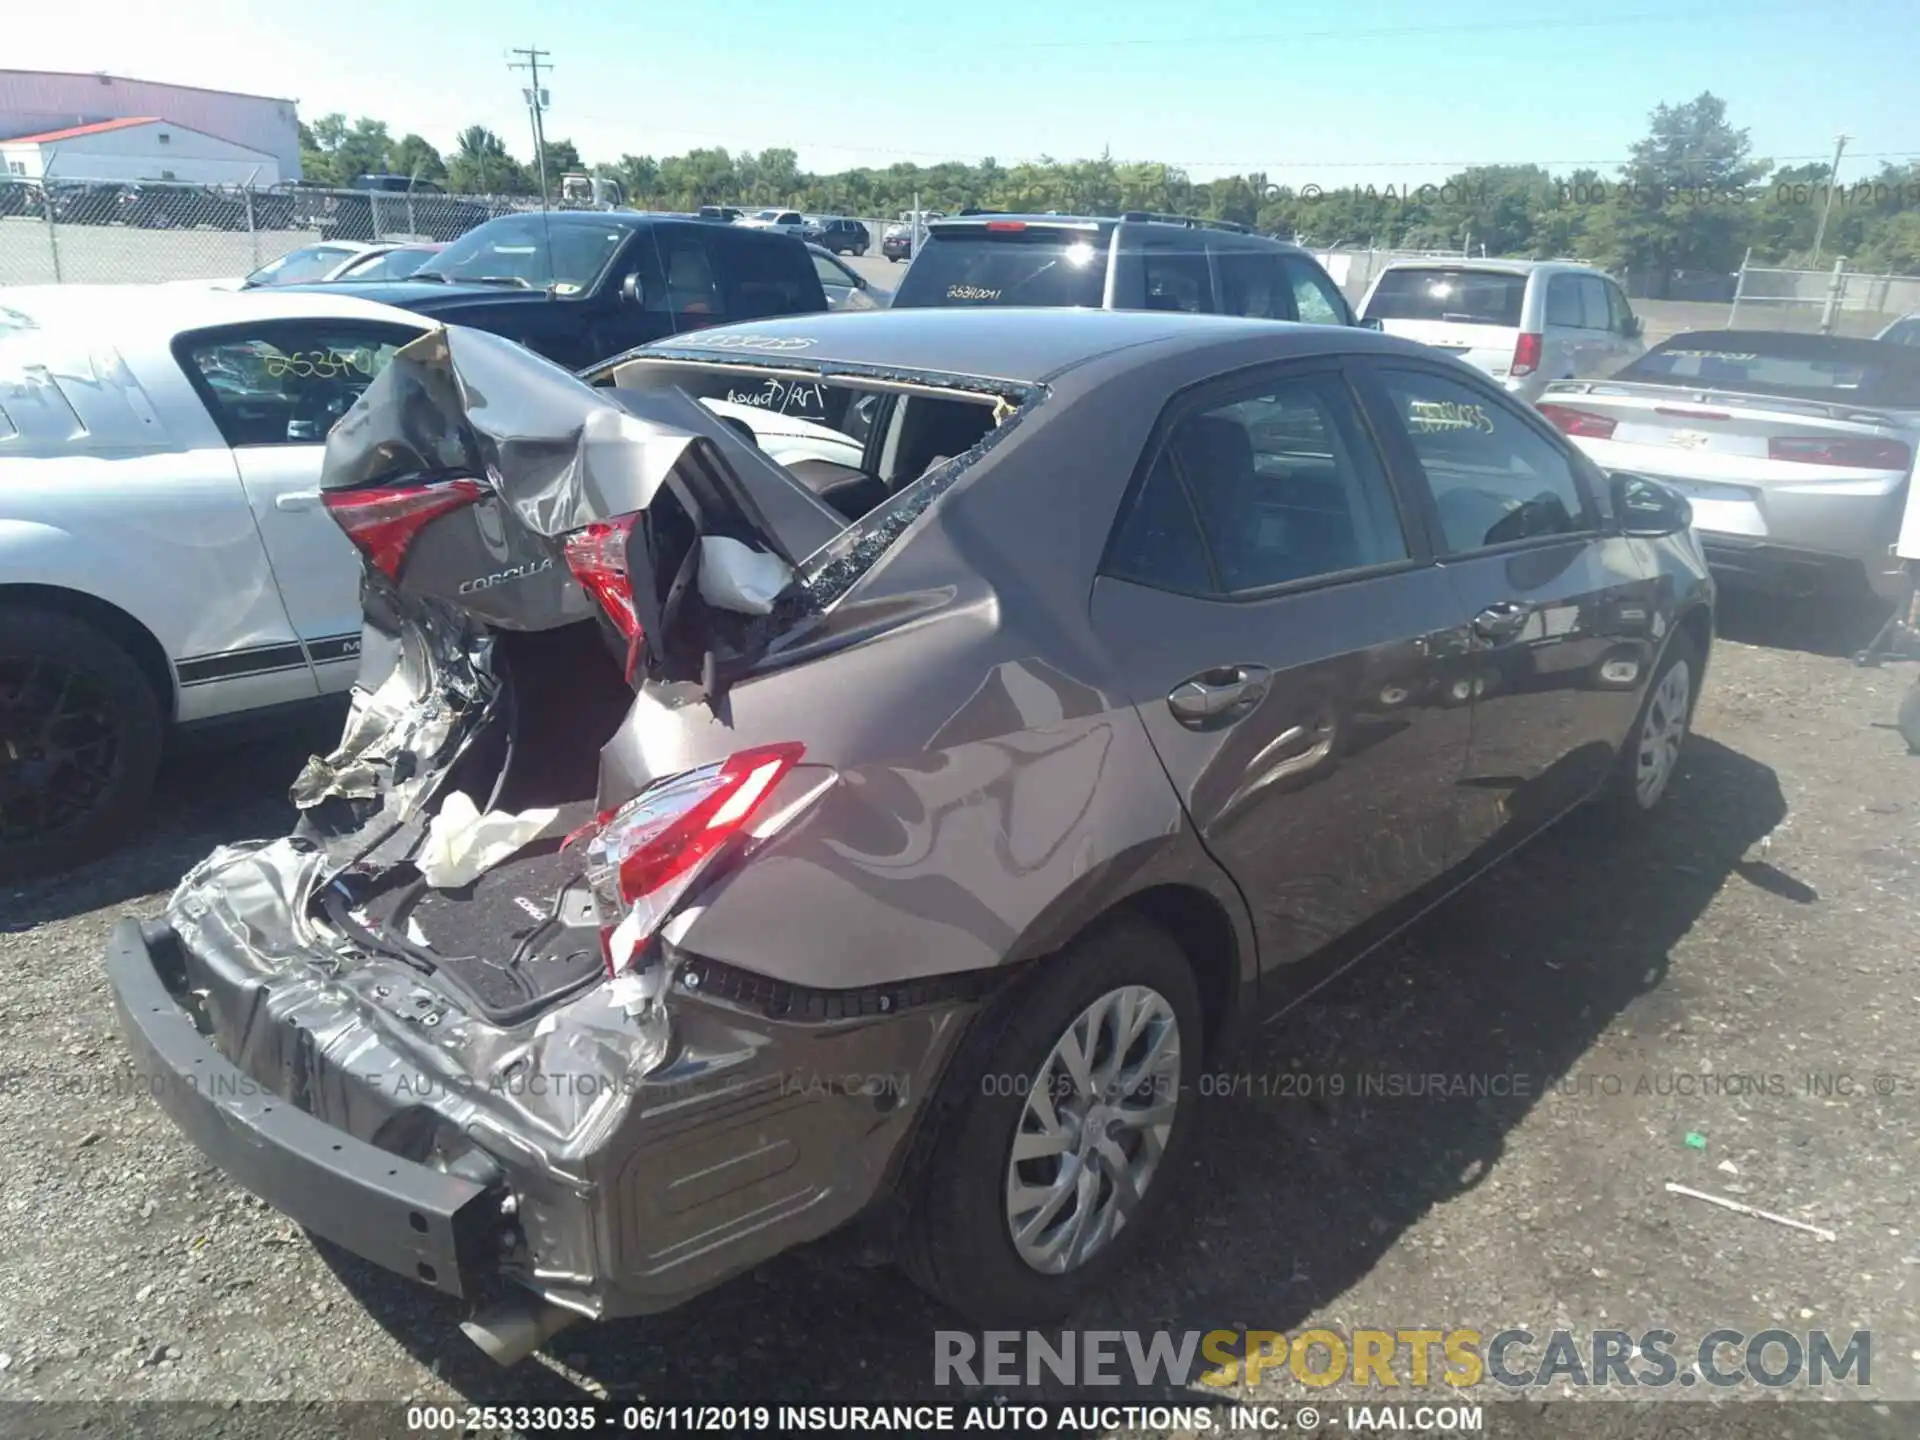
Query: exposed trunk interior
point(522, 935)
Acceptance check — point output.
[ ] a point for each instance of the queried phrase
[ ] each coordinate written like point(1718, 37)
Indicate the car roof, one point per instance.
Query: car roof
point(1495, 266)
point(1025, 345)
point(129, 316)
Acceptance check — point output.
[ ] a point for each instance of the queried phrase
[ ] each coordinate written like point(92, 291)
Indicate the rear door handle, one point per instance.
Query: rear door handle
point(1501, 620)
point(1228, 690)
point(296, 500)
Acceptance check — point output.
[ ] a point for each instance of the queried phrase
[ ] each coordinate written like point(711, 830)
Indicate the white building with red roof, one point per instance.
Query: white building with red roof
point(108, 127)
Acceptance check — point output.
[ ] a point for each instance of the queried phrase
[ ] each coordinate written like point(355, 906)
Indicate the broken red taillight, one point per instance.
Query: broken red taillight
point(646, 853)
point(382, 521)
point(597, 556)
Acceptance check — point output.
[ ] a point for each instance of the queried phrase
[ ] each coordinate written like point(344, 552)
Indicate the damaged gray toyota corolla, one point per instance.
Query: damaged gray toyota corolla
point(859, 769)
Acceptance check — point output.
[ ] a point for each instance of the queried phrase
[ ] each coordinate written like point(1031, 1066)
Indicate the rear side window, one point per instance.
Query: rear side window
point(1467, 297)
point(1176, 279)
point(1563, 302)
point(759, 277)
point(1035, 266)
point(691, 288)
point(1159, 540)
point(1315, 297)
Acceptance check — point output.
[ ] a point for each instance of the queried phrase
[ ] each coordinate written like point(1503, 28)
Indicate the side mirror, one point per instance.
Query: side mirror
point(633, 291)
point(1635, 328)
point(1370, 322)
point(1648, 508)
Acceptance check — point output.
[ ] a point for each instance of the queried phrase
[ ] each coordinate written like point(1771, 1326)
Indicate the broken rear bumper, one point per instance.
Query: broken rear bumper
point(458, 1153)
point(411, 1218)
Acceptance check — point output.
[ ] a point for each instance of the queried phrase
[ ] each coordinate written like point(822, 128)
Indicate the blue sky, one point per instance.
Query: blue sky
point(1365, 91)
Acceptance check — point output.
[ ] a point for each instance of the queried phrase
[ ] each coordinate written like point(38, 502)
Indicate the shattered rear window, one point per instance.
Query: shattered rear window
point(815, 422)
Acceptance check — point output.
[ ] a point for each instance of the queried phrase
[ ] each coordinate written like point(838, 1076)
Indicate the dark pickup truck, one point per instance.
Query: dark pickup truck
point(580, 286)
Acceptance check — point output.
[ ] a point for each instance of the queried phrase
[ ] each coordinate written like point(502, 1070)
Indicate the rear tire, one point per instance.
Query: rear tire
point(81, 731)
point(958, 1240)
point(1650, 758)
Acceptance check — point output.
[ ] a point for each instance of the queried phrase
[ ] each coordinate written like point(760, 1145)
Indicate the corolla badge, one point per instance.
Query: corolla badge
point(505, 577)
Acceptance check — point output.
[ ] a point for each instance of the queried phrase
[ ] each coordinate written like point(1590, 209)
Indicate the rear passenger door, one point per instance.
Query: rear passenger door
point(1563, 609)
point(1285, 639)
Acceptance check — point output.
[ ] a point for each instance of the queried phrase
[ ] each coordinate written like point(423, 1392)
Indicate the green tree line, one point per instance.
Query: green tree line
point(1692, 197)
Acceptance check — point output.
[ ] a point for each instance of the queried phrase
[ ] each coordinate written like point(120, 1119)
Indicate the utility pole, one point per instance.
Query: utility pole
point(1833, 179)
point(537, 100)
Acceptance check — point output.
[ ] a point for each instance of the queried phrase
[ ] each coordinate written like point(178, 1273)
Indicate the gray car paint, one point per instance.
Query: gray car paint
point(987, 769)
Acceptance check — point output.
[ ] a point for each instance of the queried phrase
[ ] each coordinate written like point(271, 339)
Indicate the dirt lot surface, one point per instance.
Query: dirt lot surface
point(1729, 1002)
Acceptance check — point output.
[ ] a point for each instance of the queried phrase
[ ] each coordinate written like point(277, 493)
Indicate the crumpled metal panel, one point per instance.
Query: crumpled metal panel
point(560, 452)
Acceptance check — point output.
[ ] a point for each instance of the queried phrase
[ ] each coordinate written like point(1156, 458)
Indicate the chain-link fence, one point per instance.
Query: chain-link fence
point(56, 232)
point(99, 232)
point(1827, 302)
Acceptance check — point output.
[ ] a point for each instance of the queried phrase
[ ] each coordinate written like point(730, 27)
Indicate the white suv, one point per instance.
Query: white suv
point(1524, 322)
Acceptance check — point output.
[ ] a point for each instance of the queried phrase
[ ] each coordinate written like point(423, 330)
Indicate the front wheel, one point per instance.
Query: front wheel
point(80, 738)
point(1651, 757)
point(1062, 1124)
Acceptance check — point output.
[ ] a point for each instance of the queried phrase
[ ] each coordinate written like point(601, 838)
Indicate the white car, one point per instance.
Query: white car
point(847, 288)
point(1526, 323)
point(165, 559)
point(787, 222)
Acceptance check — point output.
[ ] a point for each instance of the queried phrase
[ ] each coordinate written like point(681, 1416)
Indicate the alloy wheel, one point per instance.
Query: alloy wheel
point(1662, 733)
point(1095, 1126)
point(59, 742)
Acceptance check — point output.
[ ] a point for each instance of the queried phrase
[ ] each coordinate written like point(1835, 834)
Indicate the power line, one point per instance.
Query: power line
point(794, 143)
point(1386, 31)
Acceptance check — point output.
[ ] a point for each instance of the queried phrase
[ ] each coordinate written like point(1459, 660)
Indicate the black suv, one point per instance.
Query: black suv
point(1135, 261)
point(581, 285)
point(841, 235)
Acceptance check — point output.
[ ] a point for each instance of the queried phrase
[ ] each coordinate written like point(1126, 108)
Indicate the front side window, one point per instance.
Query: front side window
point(1619, 313)
point(1315, 298)
point(830, 273)
point(286, 384)
point(1283, 485)
point(1493, 477)
point(1250, 284)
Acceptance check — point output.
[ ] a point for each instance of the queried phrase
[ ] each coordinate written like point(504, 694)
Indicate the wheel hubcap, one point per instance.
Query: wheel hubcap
point(1662, 733)
point(1095, 1126)
point(58, 747)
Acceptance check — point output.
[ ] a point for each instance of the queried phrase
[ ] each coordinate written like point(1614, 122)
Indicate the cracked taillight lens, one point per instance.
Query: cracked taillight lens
point(597, 556)
point(644, 855)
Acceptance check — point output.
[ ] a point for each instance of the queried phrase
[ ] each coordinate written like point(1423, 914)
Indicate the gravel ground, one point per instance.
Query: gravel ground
point(1765, 927)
